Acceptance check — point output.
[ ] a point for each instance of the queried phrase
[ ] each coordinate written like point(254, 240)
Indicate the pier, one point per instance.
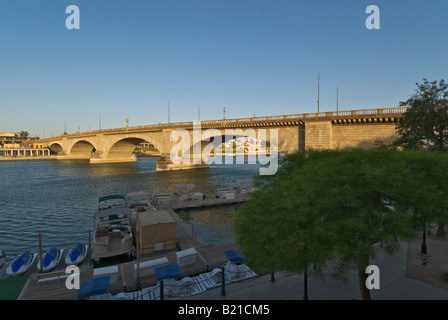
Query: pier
point(51, 286)
point(207, 202)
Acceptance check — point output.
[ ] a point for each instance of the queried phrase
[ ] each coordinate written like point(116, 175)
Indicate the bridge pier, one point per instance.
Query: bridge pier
point(73, 157)
point(99, 160)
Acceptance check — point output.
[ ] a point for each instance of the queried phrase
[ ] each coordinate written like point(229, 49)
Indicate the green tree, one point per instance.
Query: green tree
point(426, 121)
point(24, 135)
point(429, 199)
point(322, 206)
point(440, 174)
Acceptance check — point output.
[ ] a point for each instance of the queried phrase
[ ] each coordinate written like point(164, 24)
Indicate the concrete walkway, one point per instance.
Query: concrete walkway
point(394, 284)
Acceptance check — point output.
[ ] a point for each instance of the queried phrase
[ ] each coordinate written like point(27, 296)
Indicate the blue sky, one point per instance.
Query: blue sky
point(129, 58)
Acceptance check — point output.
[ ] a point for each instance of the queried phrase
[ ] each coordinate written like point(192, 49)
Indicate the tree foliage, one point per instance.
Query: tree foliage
point(426, 121)
point(429, 200)
point(24, 135)
point(338, 206)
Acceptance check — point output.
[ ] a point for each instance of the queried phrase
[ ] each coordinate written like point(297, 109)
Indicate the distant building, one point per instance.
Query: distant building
point(146, 144)
point(10, 140)
point(15, 145)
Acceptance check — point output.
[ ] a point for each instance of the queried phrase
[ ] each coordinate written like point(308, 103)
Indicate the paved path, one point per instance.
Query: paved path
point(395, 284)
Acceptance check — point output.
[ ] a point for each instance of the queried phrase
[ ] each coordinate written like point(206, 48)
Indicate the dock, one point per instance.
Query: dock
point(207, 202)
point(51, 286)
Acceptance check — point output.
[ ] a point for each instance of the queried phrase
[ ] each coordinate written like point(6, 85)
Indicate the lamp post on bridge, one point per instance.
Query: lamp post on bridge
point(318, 91)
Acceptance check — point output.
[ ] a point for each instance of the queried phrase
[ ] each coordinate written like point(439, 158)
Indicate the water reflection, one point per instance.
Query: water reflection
point(214, 224)
point(84, 167)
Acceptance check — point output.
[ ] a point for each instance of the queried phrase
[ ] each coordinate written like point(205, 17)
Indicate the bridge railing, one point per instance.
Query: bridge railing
point(394, 110)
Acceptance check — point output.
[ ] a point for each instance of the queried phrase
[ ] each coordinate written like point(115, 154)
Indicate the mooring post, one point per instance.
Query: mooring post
point(223, 282)
point(90, 250)
point(138, 257)
point(161, 289)
point(40, 253)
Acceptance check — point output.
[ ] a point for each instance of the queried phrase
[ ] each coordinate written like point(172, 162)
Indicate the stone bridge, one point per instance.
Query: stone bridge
point(188, 140)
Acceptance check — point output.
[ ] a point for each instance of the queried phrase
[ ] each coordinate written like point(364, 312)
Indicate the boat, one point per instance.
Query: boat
point(50, 259)
point(140, 201)
point(111, 201)
point(76, 254)
point(163, 198)
point(113, 233)
point(247, 190)
point(21, 264)
point(2, 258)
point(186, 192)
point(227, 193)
point(282, 154)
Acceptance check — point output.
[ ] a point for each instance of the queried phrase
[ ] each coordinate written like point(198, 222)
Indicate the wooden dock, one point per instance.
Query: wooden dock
point(208, 257)
point(207, 202)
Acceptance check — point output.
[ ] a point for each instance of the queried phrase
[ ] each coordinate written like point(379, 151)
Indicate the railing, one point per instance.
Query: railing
point(188, 124)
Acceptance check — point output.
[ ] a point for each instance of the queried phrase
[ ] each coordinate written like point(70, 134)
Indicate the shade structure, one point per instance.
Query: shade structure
point(156, 231)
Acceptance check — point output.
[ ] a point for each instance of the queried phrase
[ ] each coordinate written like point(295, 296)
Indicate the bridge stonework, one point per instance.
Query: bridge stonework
point(330, 135)
point(325, 130)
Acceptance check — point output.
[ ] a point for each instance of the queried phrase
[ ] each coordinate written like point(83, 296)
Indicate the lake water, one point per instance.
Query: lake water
point(58, 198)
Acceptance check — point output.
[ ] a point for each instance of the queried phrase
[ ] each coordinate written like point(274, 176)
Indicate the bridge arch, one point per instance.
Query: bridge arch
point(245, 142)
point(55, 148)
point(208, 147)
point(82, 149)
point(123, 148)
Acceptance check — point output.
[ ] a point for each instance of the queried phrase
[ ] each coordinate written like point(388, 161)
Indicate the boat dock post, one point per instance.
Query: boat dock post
point(40, 253)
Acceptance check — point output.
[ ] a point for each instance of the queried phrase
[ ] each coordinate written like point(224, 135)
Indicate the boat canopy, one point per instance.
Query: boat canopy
point(113, 211)
point(111, 197)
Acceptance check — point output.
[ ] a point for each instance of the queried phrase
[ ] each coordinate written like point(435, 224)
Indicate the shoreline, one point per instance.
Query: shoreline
point(54, 157)
point(139, 155)
point(28, 158)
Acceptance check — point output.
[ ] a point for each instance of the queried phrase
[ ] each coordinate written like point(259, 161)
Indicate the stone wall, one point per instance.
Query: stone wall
point(318, 135)
point(363, 135)
point(325, 135)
